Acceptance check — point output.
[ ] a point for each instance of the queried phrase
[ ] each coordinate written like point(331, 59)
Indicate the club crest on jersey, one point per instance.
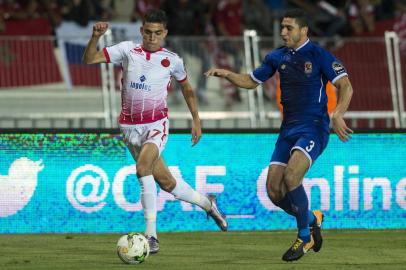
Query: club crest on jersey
point(165, 62)
point(338, 68)
point(283, 66)
point(308, 67)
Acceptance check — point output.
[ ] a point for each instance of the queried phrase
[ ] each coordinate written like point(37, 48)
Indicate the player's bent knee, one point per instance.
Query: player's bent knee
point(167, 185)
point(273, 191)
point(291, 178)
point(165, 181)
point(275, 195)
point(143, 170)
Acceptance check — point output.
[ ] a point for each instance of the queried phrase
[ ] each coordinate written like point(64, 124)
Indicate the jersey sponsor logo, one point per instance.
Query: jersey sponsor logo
point(308, 67)
point(165, 62)
point(140, 85)
point(338, 68)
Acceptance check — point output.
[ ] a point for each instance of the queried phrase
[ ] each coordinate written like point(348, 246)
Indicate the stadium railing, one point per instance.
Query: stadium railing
point(35, 93)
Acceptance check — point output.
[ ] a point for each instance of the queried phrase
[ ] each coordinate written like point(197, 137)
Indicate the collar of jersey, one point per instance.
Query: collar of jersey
point(145, 50)
point(304, 44)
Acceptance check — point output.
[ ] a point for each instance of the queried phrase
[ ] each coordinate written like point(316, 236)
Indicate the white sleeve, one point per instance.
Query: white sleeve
point(179, 70)
point(116, 53)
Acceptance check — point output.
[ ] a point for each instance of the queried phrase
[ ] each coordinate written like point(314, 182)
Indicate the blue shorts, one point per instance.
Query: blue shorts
point(311, 140)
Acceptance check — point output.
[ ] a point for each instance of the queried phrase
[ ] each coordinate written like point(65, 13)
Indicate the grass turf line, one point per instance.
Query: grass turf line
point(342, 249)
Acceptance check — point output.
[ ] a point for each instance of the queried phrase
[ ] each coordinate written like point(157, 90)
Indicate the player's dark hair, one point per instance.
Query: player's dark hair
point(155, 16)
point(299, 16)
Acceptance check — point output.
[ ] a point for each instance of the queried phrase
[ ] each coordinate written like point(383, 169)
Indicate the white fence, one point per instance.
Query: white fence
point(44, 85)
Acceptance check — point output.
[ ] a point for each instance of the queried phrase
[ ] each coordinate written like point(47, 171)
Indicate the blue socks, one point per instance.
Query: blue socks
point(286, 205)
point(300, 206)
point(311, 218)
point(295, 203)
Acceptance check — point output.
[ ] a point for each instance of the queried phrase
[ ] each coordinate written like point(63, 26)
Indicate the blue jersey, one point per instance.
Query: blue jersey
point(304, 73)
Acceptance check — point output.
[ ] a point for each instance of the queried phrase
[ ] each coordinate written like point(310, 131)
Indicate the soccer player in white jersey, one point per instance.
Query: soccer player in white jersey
point(147, 72)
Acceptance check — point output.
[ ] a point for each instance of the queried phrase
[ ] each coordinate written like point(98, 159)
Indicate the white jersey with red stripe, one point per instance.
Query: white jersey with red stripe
point(146, 79)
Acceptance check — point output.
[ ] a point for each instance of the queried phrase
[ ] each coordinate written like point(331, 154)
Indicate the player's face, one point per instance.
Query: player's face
point(292, 34)
point(152, 35)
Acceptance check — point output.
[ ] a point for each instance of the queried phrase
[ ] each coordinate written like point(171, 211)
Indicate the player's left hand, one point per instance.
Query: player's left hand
point(196, 132)
point(340, 128)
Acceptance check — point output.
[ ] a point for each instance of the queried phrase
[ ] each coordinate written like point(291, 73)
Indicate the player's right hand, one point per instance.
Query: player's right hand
point(340, 128)
point(217, 72)
point(100, 28)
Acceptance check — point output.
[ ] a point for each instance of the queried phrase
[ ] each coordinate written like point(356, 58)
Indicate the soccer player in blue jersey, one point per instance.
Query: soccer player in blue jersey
point(304, 70)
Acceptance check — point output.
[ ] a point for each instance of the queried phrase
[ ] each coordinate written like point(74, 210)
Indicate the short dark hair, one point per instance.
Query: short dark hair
point(155, 16)
point(299, 16)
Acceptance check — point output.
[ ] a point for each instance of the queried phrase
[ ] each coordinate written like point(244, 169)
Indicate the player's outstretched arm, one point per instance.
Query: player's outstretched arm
point(191, 102)
point(344, 94)
point(240, 80)
point(91, 55)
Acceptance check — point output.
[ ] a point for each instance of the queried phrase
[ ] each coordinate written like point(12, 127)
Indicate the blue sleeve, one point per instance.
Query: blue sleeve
point(267, 69)
point(331, 67)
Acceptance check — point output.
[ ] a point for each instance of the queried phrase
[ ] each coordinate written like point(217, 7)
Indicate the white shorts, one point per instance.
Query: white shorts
point(135, 136)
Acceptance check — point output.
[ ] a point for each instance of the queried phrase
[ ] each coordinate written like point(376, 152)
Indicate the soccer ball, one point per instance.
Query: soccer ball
point(133, 248)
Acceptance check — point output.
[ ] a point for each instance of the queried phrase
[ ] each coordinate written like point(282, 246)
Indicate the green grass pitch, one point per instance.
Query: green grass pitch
point(342, 249)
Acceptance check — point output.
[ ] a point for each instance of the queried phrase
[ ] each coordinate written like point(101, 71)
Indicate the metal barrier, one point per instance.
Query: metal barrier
point(54, 120)
point(33, 93)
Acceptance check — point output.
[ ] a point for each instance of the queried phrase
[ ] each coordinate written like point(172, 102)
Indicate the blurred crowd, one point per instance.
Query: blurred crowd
point(330, 20)
point(228, 17)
